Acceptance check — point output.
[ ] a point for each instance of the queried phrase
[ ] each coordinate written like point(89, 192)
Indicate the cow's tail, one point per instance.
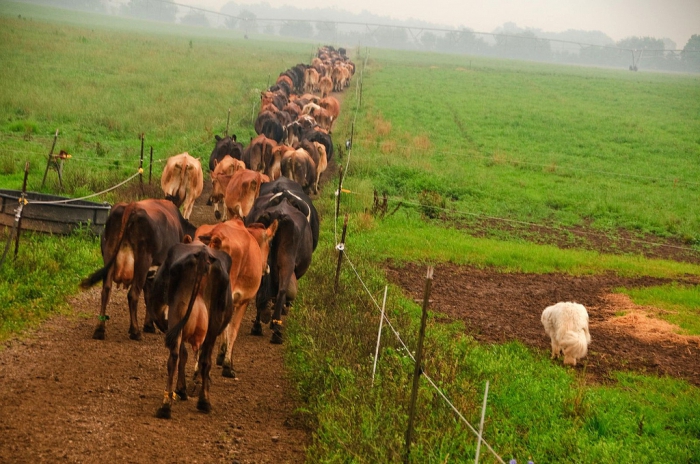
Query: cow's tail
point(101, 274)
point(174, 333)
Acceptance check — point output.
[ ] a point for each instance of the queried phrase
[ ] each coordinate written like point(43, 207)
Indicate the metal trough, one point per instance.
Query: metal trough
point(57, 218)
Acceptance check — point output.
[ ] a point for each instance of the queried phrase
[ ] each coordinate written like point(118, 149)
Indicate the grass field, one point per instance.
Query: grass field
point(559, 146)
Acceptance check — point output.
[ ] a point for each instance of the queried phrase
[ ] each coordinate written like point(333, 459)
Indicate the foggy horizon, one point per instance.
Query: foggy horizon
point(675, 19)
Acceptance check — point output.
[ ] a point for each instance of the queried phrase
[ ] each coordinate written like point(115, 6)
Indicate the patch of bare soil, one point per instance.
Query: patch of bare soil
point(498, 308)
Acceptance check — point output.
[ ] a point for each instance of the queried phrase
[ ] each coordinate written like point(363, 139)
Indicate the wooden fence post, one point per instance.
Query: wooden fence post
point(48, 163)
point(22, 201)
point(418, 369)
point(341, 249)
point(228, 118)
point(141, 166)
point(150, 166)
point(340, 185)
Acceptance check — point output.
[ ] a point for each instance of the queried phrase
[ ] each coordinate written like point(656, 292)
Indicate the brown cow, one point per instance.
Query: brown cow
point(242, 191)
point(183, 181)
point(248, 249)
point(193, 283)
point(331, 105)
point(310, 80)
point(298, 166)
point(220, 178)
point(258, 155)
point(325, 85)
point(137, 236)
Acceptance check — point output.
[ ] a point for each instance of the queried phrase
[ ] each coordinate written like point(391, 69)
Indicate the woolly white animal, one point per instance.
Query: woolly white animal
point(566, 324)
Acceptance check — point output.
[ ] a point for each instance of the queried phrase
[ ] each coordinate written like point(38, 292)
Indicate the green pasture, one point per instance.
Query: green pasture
point(451, 140)
point(553, 145)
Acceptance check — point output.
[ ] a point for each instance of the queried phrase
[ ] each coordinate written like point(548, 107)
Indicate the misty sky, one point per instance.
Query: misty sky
point(675, 19)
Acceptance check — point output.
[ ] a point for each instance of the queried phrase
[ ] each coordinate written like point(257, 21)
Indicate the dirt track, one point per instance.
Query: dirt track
point(68, 397)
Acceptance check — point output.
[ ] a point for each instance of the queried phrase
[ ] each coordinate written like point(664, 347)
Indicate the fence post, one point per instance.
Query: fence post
point(141, 166)
point(228, 118)
point(340, 186)
point(341, 248)
point(48, 163)
point(481, 424)
point(418, 369)
point(22, 202)
point(379, 334)
point(150, 166)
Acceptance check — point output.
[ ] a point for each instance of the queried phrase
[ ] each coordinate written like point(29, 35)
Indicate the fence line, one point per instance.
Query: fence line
point(69, 200)
point(425, 374)
point(376, 303)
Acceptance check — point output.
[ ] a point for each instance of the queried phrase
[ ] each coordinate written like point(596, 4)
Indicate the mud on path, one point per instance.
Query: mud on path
point(498, 307)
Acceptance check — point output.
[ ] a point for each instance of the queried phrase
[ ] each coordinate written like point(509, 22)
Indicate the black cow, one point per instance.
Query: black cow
point(137, 236)
point(324, 139)
point(274, 129)
point(226, 146)
point(193, 283)
point(292, 190)
point(289, 258)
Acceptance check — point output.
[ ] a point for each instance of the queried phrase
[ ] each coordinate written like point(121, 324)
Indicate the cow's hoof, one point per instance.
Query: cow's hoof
point(181, 394)
point(149, 328)
point(163, 412)
point(135, 336)
point(276, 337)
point(228, 371)
point(204, 406)
point(217, 214)
point(257, 329)
point(99, 333)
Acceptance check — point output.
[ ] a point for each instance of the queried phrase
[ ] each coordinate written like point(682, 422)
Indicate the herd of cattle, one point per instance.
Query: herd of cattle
point(198, 281)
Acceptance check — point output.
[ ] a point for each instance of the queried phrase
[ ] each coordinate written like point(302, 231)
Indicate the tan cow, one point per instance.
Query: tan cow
point(298, 166)
point(220, 178)
point(242, 191)
point(310, 80)
point(325, 85)
point(182, 181)
point(248, 249)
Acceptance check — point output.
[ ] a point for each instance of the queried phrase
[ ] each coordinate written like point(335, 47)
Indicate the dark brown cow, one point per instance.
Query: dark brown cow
point(228, 146)
point(193, 283)
point(137, 236)
point(258, 155)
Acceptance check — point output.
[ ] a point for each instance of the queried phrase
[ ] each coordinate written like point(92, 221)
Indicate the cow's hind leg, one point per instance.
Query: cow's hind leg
point(232, 330)
point(181, 390)
point(164, 412)
point(204, 404)
point(140, 273)
point(99, 333)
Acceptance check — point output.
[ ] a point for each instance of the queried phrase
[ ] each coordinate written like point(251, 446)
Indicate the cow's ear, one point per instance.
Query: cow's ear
point(215, 243)
point(216, 161)
point(270, 232)
point(205, 239)
point(186, 239)
point(234, 137)
point(218, 139)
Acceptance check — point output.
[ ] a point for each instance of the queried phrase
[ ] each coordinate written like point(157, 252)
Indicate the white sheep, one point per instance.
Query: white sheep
point(566, 324)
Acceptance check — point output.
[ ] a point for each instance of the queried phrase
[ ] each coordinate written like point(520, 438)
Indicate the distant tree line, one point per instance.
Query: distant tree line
point(587, 47)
